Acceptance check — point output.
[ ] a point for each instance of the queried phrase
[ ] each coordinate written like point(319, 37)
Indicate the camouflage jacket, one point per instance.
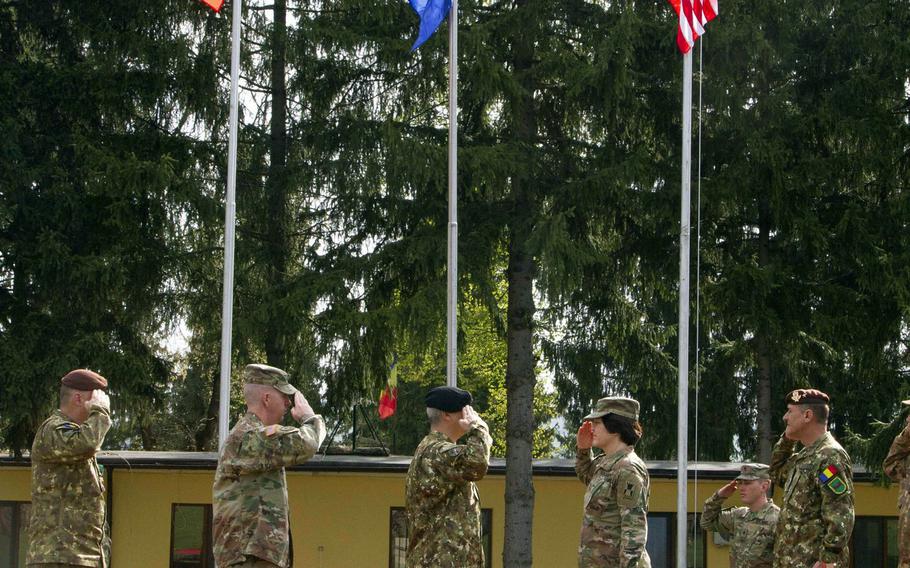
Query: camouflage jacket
point(897, 466)
point(752, 532)
point(442, 502)
point(67, 523)
point(250, 495)
point(816, 515)
point(614, 528)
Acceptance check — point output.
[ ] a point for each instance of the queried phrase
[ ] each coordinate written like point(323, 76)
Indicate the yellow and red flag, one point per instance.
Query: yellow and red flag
point(214, 4)
point(388, 397)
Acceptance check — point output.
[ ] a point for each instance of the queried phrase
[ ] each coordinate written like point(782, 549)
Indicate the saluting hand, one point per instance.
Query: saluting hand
point(100, 398)
point(585, 437)
point(301, 410)
point(727, 489)
point(468, 418)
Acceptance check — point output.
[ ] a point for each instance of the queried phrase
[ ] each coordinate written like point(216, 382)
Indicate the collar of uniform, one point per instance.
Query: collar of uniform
point(63, 415)
point(608, 461)
point(812, 448)
point(439, 435)
point(251, 416)
point(761, 511)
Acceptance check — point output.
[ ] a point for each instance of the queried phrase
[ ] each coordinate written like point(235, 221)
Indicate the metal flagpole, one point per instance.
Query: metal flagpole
point(452, 273)
point(682, 440)
point(227, 308)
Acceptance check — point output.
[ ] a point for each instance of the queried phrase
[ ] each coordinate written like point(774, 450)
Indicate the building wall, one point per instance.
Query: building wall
point(341, 520)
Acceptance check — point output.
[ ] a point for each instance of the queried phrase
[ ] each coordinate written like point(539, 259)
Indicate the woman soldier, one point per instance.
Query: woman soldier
point(615, 524)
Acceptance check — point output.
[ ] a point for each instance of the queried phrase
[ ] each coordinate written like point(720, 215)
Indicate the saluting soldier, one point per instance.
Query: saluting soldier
point(752, 527)
point(68, 526)
point(443, 505)
point(250, 495)
point(897, 466)
point(614, 528)
point(816, 516)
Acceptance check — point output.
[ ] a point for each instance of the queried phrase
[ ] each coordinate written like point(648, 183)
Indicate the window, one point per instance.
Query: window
point(398, 536)
point(13, 533)
point(191, 536)
point(662, 541)
point(874, 542)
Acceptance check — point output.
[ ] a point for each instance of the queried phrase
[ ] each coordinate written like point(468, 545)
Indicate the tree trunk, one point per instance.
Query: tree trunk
point(277, 193)
point(520, 379)
point(520, 365)
point(204, 435)
point(762, 347)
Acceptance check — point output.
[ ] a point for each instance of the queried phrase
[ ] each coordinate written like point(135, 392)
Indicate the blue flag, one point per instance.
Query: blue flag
point(432, 13)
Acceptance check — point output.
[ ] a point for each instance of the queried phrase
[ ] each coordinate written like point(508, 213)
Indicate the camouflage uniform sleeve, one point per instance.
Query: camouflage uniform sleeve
point(468, 461)
point(69, 442)
point(900, 449)
point(268, 448)
point(584, 465)
point(780, 458)
point(715, 518)
point(837, 511)
point(632, 499)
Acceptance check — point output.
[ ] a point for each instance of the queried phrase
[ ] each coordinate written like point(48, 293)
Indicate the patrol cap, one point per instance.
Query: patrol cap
point(625, 407)
point(808, 396)
point(448, 399)
point(754, 472)
point(84, 380)
point(258, 374)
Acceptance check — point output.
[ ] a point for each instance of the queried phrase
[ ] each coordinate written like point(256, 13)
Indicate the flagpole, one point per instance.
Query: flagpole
point(682, 440)
point(452, 272)
point(227, 307)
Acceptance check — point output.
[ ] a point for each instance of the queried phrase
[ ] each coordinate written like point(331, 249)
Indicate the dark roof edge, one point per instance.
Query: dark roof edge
point(393, 464)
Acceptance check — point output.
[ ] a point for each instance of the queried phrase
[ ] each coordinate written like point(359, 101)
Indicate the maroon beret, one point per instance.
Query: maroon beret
point(84, 380)
point(808, 396)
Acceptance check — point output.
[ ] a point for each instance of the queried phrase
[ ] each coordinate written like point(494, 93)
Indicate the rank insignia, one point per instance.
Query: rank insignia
point(830, 478)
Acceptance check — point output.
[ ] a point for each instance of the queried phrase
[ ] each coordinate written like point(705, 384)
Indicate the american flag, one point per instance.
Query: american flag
point(694, 15)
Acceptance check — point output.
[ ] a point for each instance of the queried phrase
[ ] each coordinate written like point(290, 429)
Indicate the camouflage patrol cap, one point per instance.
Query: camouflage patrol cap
point(754, 472)
point(625, 407)
point(808, 396)
point(448, 399)
point(258, 374)
point(84, 380)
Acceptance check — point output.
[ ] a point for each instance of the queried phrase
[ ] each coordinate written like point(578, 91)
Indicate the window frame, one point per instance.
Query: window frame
point(702, 560)
point(16, 531)
point(882, 521)
point(207, 556)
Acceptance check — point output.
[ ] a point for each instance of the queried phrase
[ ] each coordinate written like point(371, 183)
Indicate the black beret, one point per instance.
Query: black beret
point(84, 380)
point(448, 399)
point(807, 396)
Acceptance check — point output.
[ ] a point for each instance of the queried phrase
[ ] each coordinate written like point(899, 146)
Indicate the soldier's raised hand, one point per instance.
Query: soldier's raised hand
point(468, 417)
point(301, 410)
point(100, 398)
point(585, 437)
point(727, 489)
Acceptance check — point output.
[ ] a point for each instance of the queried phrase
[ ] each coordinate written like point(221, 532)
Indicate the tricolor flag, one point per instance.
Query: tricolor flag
point(694, 15)
point(388, 397)
point(431, 13)
point(214, 4)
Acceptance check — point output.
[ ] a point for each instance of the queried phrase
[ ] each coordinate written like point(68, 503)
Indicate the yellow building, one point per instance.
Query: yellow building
point(346, 512)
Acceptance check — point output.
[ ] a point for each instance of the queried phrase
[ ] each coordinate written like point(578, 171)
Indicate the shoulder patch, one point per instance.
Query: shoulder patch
point(455, 451)
point(837, 485)
point(68, 427)
point(830, 477)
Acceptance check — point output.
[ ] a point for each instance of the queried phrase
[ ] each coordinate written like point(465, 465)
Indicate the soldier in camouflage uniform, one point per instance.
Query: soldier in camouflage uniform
point(250, 495)
point(614, 527)
point(816, 516)
point(751, 527)
point(67, 526)
point(897, 466)
point(443, 506)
